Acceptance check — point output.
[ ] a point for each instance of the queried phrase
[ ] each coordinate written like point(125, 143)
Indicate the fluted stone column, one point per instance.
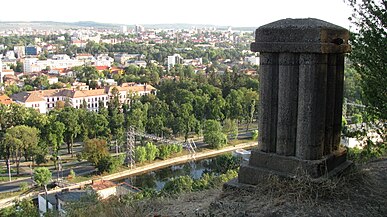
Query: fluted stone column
point(268, 101)
point(301, 96)
point(330, 104)
point(339, 94)
point(311, 106)
point(287, 103)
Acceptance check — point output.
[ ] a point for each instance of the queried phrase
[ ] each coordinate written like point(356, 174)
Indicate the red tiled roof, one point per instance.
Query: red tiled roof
point(5, 100)
point(100, 68)
point(102, 184)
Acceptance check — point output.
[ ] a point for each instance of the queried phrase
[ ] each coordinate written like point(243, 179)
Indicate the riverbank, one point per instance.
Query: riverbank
point(139, 170)
point(360, 192)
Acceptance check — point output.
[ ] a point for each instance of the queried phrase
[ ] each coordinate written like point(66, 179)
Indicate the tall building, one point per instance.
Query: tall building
point(19, 51)
point(173, 60)
point(32, 50)
point(124, 29)
point(139, 29)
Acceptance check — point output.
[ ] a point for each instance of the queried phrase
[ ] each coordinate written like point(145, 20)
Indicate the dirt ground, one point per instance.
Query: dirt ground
point(361, 192)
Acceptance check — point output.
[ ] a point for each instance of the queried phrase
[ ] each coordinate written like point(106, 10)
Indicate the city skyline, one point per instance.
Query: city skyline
point(245, 13)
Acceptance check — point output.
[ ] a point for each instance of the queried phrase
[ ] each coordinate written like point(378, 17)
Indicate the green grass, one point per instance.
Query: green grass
point(238, 141)
point(10, 194)
point(5, 171)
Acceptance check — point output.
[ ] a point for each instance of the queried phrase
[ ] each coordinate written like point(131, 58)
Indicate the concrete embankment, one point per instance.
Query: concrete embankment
point(138, 170)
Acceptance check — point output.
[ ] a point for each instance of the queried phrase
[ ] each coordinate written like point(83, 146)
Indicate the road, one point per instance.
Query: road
point(83, 168)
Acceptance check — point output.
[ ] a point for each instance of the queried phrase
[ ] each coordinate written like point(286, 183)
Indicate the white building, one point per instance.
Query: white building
point(173, 60)
point(4, 72)
point(46, 100)
point(103, 60)
point(62, 61)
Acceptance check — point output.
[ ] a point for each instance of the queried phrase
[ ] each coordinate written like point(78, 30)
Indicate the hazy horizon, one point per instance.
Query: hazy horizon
point(244, 13)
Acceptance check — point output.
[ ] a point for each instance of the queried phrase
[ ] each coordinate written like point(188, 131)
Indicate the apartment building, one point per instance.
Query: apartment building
point(46, 100)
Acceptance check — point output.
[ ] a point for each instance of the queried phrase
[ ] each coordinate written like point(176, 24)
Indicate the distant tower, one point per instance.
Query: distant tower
point(124, 29)
point(139, 29)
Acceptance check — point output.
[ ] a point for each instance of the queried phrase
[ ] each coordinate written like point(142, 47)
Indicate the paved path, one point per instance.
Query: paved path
point(79, 169)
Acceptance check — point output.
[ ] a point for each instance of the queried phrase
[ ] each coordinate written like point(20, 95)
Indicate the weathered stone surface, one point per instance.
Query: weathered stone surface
point(301, 36)
point(262, 164)
point(311, 106)
point(330, 103)
point(287, 103)
point(301, 95)
point(339, 91)
point(267, 125)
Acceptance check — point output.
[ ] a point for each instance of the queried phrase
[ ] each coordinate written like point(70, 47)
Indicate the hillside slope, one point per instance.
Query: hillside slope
point(362, 192)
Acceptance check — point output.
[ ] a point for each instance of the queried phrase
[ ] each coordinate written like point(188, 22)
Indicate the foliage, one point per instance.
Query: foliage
point(72, 173)
point(255, 135)
point(167, 150)
point(94, 150)
point(140, 154)
point(213, 135)
point(151, 151)
point(42, 176)
point(230, 128)
point(21, 141)
point(368, 57)
point(69, 117)
point(224, 162)
point(369, 54)
point(24, 186)
point(110, 164)
point(23, 208)
point(178, 185)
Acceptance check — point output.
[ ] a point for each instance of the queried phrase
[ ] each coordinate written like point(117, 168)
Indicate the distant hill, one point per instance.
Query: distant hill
point(82, 24)
point(54, 25)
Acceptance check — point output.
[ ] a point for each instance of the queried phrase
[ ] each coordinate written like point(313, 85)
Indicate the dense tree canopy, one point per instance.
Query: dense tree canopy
point(369, 53)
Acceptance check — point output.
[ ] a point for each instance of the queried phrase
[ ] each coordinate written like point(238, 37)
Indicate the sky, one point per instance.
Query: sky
point(242, 13)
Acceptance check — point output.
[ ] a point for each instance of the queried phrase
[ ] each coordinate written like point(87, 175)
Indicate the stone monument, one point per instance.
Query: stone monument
point(301, 97)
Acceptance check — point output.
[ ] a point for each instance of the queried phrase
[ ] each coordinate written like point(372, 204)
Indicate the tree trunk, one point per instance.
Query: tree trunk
point(17, 166)
point(71, 147)
point(68, 147)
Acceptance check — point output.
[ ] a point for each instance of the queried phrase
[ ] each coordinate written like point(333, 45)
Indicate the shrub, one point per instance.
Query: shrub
point(110, 164)
point(178, 185)
point(24, 186)
point(255, 135)
point(40, 159)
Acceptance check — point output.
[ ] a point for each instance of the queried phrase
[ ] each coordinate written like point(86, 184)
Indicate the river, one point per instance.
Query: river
point(157, 179)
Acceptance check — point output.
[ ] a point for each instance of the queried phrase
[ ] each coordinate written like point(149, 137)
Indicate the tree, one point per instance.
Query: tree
point(140, 154)
point(94, 150)
point(68, 116)
point(110, 164)
point(55, 138)
point(250, 98)
point(213, 135)
point(23, 208)
point(151, 151)
point(178, 185)
point(20, 141)
point(230, 128)
point(137, 116)
point(234, 104)
point(42, 176)
point(369, 52)
point(186, 120)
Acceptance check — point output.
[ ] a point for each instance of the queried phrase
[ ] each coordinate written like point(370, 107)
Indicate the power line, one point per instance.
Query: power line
point(130, 145)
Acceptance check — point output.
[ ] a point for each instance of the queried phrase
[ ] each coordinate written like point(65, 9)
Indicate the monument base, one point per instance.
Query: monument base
point(262, 164)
